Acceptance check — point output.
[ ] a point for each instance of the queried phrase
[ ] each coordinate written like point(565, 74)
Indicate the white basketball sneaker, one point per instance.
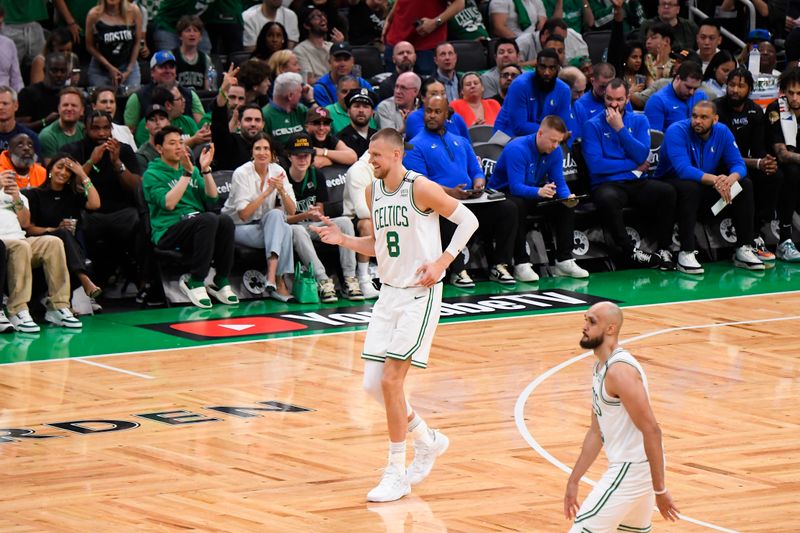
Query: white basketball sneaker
point(425, 456)
point(393, 486)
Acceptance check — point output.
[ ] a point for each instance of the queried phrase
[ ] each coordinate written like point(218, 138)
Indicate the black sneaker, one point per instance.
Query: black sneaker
point(667, 263)
point(150, 296)
point(644, 259)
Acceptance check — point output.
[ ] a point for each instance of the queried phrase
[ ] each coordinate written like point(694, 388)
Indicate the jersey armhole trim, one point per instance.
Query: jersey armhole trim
point(603, 384)
point(414, 203)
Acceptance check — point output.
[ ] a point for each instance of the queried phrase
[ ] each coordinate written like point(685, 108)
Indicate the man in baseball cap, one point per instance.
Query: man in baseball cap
point(161, 57)
point(360, 108)
point(156, 118)
point(341, 64)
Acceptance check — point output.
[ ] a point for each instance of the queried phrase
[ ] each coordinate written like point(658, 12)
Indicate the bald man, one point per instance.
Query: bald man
point(404, 58)
point(392, 112)
point(622, 422)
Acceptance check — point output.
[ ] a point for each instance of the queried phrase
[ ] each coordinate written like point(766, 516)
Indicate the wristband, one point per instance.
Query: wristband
point(44, 123)
point(660, 492)
point(758, 164)
point(324, 152)
point(223, 94)
point(86, 186)
point(206, 171)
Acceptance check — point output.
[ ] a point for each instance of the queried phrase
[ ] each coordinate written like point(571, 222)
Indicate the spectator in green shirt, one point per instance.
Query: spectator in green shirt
point(285, 115)
point(174, 102)
point(68, 128)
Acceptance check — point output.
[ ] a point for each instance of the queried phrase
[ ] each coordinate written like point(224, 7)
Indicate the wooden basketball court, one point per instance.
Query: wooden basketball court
point(190, 451)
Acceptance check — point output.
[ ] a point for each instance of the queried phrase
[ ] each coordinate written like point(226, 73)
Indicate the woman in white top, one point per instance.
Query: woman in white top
point(511, 18)
point(256, 188)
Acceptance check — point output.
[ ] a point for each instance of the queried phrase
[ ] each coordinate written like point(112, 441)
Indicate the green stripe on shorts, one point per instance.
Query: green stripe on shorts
point(606, 495)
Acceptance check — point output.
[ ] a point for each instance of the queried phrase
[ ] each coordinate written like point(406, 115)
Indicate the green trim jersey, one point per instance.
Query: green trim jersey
point(405, 237)
point(622, 440)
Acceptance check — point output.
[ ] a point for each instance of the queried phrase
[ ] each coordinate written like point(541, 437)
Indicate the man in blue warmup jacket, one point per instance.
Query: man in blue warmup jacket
point(530, 171)
point(676, 101)
point(616, 144)
point(535, 95)
point(693, 152)
point(415, 121)
point(593, 102)
point(449, 160)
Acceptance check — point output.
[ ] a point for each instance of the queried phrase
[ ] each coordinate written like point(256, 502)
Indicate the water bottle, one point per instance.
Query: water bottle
point(211, 75)
point(754, 61)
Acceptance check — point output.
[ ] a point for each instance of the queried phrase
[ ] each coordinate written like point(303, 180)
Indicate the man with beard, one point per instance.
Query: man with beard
point(404, 58)
point(616, 143)
point(114, 171)
point(38, 103)
point(313, 53)
point(360, 107)
point(406, 208)
point(68, 128)
point(746, 120)
point(339, 112)
point(624, 424)
point(535, 95)
point(449, 161)
point(506, 52)
point(20, 158)
point(593, 102)
point(783, 116)
point(105, 99)
point(677, 100)
point(507, 75)
point(9, 127)
point(693, 154)
point(392, 113)
point(341, 61)
point(530, 44)
point(233, 149)
point(530, 170)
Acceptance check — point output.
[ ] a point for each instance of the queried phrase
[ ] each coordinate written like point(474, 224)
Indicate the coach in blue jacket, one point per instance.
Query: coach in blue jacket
point(616, 144)
point(415, 121)
point(530, 170)
point(450, 161)
point(593, 102)
point(535, 95)
point(676, 101)
point(693, 152)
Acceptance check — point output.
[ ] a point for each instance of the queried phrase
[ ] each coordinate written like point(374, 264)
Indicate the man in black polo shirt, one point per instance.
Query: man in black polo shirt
point(38, 103)
point(360, 107)
point(746, 120)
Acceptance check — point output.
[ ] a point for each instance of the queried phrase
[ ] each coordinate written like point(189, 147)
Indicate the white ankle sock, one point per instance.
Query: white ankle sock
point(362, 269)
point(420, 430)
point(397, 454)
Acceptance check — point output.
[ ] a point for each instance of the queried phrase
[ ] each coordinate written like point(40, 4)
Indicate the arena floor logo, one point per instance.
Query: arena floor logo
point(468, 306)
point(176, 417)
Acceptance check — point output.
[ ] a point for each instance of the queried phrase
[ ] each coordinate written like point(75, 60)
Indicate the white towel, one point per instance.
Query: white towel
point(788, 123)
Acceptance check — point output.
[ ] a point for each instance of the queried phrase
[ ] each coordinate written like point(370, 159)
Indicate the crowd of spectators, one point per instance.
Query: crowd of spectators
point(107, 105)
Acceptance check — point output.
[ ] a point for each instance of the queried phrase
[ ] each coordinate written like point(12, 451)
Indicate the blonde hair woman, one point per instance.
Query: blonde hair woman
point(113, 34)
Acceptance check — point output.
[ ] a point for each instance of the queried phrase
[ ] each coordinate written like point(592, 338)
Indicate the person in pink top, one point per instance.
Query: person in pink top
point(472, 106)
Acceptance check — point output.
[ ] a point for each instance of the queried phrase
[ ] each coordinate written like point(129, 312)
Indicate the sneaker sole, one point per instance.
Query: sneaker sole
point(748, 266)
point(504, 281)
point(687, 270)
point(27, 329)
point(384, 500)
point(562, 274)
point(219, 298)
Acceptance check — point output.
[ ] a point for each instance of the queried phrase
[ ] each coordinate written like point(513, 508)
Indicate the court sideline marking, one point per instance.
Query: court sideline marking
point(519, 408)
point(115, 369)
point(357, 329)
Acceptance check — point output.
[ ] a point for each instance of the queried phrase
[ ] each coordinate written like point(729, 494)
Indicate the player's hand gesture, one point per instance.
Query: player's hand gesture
point(430, 274)
point(329, 233)
point(571, 501)
point(666, 506)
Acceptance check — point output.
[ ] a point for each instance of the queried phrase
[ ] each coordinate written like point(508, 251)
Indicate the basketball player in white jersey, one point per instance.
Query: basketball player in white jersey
point(405, 210)
point(623, 423)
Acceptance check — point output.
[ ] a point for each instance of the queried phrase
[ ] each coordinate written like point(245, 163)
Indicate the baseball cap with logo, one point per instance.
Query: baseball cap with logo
point(300, 143)
point(684, 54)
point(342, 48)
point(318, 114)
point(161, 57)
point(362, 95)
point(154, 109)
point(759, 35)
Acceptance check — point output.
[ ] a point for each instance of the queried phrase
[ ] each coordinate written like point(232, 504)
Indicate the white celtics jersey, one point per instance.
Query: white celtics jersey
point(405, 237)
point(622, 440)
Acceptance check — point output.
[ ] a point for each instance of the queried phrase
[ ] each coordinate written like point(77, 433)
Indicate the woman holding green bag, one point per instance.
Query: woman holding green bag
point(260, 198)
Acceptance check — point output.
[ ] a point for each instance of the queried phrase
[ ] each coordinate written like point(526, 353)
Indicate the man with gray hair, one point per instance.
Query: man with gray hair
point(284, 115)
point(9, 127)
point(392, 112)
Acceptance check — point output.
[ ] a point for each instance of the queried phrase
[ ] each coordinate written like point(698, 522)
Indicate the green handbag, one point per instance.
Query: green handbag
point(305, 284)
